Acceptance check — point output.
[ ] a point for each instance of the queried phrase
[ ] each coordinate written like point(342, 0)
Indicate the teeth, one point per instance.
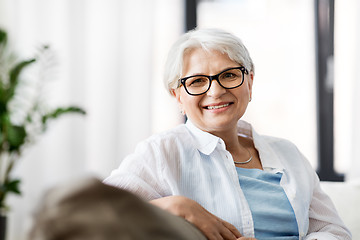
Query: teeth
point(218, 106)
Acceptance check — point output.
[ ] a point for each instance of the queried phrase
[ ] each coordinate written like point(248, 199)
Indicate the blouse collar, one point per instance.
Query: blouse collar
point(206, 143)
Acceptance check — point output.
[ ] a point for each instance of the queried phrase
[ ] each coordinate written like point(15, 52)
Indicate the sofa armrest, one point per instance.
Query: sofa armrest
point(346, 197)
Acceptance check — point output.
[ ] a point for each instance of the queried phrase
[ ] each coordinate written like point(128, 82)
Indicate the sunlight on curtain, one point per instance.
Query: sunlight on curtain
point(279, 35)
point(110, 56)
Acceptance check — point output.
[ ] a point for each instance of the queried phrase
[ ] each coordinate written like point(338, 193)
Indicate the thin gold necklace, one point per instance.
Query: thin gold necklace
point(247, 161)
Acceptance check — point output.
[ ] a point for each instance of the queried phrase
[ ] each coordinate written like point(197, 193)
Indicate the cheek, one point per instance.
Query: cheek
point(242, 94)
point(190, 102)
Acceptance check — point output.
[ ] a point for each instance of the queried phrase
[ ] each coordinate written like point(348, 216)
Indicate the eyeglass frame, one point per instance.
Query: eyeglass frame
point(213, 77)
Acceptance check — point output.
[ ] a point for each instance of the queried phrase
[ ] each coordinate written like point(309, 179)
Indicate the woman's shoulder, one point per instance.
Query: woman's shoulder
point(287, 152)
point(156, 148)
point(279, 141)
point(177, 132)
point(280, 145)
point(168, 139)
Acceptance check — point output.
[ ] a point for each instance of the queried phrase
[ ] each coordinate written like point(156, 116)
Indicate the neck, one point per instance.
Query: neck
point(237, 146)
point(230, 137)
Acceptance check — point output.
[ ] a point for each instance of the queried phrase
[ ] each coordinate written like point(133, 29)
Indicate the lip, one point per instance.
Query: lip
point(217, 106)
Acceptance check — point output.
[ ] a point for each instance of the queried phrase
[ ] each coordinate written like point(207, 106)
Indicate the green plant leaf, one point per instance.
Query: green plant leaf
point(1, 138)
point(60, 111)
point(16, 136)
point(2, 106)
point(3, 37)
point(11, 186)
point(14, 76)
point(1, 88)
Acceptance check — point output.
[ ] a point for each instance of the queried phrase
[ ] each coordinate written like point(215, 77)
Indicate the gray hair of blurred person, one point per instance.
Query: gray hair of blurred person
point(88, 209)
point(207, 39)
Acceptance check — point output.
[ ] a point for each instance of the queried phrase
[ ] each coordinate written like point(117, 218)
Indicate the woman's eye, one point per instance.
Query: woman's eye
point(229, 75)
point(197, 82)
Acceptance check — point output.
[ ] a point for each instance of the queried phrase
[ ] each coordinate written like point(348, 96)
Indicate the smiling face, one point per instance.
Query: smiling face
point(219, 109)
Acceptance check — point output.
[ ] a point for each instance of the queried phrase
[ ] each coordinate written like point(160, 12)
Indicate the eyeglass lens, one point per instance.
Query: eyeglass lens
point(228, 79)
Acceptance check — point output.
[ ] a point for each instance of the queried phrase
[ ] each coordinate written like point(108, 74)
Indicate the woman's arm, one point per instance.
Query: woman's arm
point(211, 226)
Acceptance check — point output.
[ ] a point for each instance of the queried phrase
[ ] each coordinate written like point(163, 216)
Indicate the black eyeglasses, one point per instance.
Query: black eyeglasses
point(200, 84)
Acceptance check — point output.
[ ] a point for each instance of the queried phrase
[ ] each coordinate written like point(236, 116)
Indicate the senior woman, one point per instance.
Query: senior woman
point(216, 171)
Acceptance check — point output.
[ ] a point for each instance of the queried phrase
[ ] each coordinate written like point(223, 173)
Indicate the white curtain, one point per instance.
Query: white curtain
point(110, 57)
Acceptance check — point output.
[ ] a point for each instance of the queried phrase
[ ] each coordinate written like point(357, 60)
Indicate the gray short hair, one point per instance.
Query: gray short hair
point(207, 39)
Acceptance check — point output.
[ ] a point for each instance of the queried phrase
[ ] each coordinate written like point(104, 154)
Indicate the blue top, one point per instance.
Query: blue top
point(272, 213)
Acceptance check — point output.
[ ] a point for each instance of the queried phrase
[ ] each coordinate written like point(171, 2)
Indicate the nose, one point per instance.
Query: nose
point(215, 90)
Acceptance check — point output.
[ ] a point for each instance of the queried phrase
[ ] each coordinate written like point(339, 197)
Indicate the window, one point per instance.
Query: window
point(280, 37)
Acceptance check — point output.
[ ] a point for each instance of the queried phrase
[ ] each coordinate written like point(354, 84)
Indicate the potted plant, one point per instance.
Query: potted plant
point(19, 124)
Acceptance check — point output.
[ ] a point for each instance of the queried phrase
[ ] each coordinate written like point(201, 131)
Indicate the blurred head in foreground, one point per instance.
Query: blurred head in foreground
point(92, 210)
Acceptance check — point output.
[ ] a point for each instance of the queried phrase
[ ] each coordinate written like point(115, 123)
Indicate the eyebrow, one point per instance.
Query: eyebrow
point(202, 74)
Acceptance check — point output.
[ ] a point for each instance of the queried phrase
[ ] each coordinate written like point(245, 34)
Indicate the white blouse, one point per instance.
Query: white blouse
point(190, 162)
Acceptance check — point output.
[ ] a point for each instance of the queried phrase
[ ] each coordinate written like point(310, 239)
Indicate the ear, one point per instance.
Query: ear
point(250, 83)
point(176, 94)
point(172, 92)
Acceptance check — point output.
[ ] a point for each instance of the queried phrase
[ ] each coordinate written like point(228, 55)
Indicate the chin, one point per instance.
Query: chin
point(222, 126)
